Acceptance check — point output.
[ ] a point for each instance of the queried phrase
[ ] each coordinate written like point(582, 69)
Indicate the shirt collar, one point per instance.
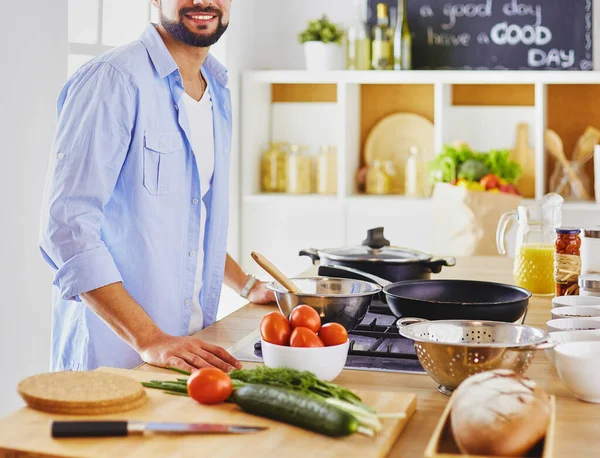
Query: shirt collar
point(164, 62)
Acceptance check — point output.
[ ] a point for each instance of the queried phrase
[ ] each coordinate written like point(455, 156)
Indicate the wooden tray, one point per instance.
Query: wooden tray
point(26, 433)
point(442, 445)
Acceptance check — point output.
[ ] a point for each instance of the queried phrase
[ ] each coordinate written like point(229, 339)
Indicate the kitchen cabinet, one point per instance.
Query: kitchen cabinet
point(339, 108)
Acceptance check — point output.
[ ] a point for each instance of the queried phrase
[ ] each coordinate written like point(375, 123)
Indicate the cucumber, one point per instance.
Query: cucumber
point(295, 409)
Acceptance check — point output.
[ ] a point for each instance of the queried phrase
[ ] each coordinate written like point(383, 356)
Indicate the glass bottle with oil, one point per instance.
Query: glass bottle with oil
point(378, 181)
point(382, 50)
point(402, 39)
point(415, 174)
point(358, 52)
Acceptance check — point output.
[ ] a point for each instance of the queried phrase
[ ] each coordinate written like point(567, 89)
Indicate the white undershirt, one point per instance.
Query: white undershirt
point(203, 144)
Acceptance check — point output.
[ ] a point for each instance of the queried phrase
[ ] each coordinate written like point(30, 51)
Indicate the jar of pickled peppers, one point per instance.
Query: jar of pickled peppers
point(567, 261)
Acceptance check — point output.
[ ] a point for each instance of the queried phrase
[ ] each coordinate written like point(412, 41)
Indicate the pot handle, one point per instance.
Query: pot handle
point(435, 265)
point(402, 322)
point(312, 253)
point(354, 274)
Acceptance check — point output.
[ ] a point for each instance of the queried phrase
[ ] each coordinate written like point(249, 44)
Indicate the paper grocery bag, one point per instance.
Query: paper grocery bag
point(465, 221)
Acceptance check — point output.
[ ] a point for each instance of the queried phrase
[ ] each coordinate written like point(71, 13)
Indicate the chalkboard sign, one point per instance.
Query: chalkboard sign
point(498, 34)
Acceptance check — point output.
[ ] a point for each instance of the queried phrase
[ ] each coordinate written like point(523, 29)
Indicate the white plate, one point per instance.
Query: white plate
point(589, 311)
point(574, 301)
point(573, 324)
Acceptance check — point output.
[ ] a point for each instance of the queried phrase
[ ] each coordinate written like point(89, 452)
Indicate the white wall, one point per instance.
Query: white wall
point(33, 46)
point(278, 23)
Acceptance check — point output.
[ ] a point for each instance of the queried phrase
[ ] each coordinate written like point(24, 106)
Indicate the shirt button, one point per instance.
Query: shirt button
point(192, 254)
point(195, 201)
point(186, 302)
point(177, 78)
point(176, 107)
point(60, 155)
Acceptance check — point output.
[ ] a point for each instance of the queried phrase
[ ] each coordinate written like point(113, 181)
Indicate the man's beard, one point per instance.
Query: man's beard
point(179, 31)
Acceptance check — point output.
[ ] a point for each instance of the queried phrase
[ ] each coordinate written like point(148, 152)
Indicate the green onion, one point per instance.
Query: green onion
point(181, 371)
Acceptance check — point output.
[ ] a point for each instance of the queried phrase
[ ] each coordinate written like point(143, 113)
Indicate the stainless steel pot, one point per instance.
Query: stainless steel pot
point(338, 300)
point(377, 257)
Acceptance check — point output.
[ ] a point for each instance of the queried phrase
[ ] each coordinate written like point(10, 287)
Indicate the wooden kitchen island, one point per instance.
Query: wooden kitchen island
point(577, 430)
point(577, 423)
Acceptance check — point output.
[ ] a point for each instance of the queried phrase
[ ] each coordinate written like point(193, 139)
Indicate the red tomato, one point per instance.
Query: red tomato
point(209, 386)
point(333, 334)
point(275, 329)
point(304, 337)
point(304, 316)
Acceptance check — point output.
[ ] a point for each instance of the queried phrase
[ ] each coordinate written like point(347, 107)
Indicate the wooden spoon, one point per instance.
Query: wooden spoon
point(584, 149)
point(275, 273)
point(554, 144)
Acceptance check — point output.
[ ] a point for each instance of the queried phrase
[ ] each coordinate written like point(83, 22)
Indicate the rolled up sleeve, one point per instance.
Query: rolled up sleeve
point(96, 118)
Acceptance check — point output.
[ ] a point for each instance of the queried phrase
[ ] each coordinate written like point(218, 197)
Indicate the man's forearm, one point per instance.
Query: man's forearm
point(115, 306)
point(235, 277)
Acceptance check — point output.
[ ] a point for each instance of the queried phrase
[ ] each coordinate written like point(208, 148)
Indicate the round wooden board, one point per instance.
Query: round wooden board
point(393, 136)
point(82, 393)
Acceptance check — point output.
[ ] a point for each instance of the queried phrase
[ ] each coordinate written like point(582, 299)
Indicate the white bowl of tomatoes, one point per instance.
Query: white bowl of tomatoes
point(301, 343)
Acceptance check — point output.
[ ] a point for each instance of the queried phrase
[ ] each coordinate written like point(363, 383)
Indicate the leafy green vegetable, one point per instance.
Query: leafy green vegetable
point(499, 163)
point(322, 30)
point(473, 170)
point(446, 167)
point(305, 382)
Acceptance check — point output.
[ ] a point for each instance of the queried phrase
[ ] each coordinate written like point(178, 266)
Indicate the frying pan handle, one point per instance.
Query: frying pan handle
point(406, 321)
point(354, 274)
point(435, 265)
point(312, 253)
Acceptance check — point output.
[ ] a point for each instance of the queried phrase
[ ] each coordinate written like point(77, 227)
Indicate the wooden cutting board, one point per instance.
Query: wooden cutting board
point(26, 433)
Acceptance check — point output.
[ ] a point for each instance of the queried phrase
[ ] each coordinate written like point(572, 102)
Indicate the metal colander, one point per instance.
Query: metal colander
point(453, 350)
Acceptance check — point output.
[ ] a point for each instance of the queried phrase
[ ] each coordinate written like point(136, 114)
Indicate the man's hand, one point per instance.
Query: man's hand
point(261, 295)
point(187, 353)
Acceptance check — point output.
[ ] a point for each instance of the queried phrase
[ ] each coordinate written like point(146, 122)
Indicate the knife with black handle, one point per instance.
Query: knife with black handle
point(126, 428)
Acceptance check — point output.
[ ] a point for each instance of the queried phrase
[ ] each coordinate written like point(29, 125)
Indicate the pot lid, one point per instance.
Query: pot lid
point(376, 248)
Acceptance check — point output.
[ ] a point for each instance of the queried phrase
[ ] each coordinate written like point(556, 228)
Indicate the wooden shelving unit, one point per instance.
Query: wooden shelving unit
point(353, 102)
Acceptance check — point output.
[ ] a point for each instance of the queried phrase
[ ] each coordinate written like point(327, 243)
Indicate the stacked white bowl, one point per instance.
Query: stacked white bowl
point(575, 327)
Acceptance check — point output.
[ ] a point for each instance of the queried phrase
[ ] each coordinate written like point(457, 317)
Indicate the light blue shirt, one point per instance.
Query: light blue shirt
point(122, 200)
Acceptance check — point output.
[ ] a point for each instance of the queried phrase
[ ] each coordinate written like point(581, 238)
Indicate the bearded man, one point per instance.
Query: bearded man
point(135, 213)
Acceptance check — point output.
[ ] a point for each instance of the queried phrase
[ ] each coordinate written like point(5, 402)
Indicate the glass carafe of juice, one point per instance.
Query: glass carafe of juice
point(534, 249)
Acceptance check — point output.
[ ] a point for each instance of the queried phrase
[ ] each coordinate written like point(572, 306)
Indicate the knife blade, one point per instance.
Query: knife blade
point(125, 428)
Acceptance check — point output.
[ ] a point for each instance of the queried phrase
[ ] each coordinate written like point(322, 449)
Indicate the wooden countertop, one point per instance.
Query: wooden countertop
point(577, 423)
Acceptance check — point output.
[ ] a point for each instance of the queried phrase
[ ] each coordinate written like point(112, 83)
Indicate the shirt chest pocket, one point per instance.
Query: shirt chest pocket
point(164, 157)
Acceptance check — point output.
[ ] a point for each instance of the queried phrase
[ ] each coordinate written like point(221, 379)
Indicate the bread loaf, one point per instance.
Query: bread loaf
point(499, 413)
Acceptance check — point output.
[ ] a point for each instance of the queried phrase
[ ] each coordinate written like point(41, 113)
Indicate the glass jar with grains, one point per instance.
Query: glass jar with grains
point(273, 168)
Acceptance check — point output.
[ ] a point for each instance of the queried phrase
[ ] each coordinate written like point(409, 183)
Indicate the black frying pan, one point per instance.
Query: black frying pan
point(445, 299)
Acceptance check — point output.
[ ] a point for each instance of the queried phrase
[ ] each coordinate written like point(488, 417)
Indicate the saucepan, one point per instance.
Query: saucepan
point(377, 257)
point(340, 300)
point(445, 299)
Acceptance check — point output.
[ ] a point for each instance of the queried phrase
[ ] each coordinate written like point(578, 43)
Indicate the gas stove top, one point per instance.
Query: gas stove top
point(375, 345)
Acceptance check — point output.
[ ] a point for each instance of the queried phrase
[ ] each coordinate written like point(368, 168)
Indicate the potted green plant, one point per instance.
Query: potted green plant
point(323, 48)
